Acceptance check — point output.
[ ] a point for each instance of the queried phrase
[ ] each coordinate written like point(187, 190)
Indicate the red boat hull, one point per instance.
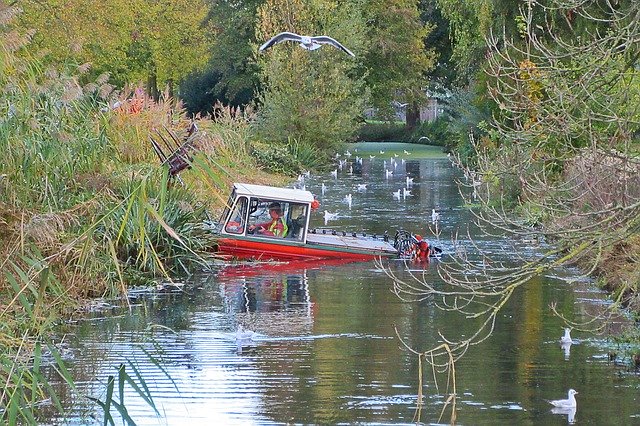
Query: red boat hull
point(283, 250)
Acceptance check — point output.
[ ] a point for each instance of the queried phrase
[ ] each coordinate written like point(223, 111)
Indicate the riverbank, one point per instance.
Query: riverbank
point(87, 210)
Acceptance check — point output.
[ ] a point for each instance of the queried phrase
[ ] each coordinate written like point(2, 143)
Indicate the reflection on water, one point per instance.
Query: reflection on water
point(325, 347)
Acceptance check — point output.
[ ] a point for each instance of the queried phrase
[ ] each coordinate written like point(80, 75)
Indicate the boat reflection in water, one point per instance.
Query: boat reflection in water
point(271, 299)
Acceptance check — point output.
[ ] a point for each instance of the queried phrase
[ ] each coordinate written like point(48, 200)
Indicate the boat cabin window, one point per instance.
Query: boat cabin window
point(236, 222)
point(277, 219)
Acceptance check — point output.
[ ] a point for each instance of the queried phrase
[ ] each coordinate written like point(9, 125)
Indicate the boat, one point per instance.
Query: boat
point(241, 232)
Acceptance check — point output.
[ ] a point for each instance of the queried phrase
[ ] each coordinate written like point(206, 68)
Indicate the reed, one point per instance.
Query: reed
point(85, 208)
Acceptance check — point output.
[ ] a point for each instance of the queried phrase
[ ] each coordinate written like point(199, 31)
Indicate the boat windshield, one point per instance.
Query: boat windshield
point(236, 222)
point(276, 218)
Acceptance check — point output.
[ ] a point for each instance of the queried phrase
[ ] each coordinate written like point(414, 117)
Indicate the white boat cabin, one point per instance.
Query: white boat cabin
point(267, 212)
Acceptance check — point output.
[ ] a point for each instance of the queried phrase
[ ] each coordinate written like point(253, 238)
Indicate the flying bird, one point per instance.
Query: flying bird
point(307, 42)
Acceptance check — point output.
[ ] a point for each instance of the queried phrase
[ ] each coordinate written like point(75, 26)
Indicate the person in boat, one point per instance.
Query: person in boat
point(276, 227)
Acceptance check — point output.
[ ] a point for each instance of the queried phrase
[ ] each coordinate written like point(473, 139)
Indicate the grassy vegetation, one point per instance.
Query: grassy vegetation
point(86, 210)
point(426, 133)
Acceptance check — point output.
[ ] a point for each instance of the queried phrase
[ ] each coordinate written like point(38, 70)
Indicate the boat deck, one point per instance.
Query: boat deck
point(349, 242)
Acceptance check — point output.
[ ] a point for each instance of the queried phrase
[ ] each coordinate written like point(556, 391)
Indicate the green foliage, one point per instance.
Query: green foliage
point(131, 40)
point(232, 52)
point(383, 131)
point(197, 94)
point(155, 230)
point(434, 132)
point(397, 59)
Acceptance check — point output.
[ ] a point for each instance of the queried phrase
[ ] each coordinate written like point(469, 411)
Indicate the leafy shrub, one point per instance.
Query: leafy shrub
point(434, 133)
point(276, 158)
point(385, 131)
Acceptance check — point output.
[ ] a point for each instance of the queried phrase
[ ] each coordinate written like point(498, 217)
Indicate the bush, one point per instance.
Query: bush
point(433, 133)
point(386, 131)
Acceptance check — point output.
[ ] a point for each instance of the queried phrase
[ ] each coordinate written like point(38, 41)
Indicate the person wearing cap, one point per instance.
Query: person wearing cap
point(276, 227)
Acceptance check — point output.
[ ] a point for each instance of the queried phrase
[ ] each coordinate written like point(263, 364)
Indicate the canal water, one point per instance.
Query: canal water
point(326, 347)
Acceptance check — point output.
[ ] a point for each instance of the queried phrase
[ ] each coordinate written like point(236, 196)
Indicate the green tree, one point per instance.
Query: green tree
point(311, 96)
point(232, 52)
point(160, 41)
point(397, 61)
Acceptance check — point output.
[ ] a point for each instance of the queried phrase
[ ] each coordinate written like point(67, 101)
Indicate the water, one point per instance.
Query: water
point(326, 348)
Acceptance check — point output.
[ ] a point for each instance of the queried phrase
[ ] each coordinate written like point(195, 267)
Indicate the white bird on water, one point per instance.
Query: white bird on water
point(329, 216)
point(434, 215)
point(381, 152)
point(347, 199)
point(242, 334)
point(323, 188)
point(371, 157)
point(405, 193)
point(334, 173)
point(406, 152)
point(566, 338)
point(409, 181)
point(396, 194)
point(570, 402)
point(306, 42)
point(388, 174)
point(362, 187)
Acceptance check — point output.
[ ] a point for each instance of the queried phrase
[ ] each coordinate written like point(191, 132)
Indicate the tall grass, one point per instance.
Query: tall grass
point(85, 208)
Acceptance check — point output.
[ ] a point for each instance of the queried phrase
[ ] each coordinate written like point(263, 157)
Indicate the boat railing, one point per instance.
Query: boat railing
point(330, 231)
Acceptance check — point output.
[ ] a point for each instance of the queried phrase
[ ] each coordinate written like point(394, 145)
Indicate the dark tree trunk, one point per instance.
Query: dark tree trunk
point(412, 116)
point(170, 88)
point(152, 86)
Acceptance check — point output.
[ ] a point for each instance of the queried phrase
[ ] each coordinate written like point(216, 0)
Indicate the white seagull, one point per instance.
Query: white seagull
point(306, 42)
point(405, 193)
point(243, 335)
point(570, 402)
point(347, 199)
point(409, 181)
point(396, 194)
point(388, 174)
point(566, 338)
point(329, 216)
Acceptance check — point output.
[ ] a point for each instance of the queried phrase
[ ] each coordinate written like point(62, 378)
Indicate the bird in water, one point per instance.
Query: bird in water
point(396, 194)
point(347, 199)
point(406, 193)
point(362, 187)
point(409, 181)
point(242, 334)
point(334, 173)
point(434, 215)
point(323, 188)
point(566, 338)
point(388, 174)
point(570, 402)
point(329, 216)
point(306, 42)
